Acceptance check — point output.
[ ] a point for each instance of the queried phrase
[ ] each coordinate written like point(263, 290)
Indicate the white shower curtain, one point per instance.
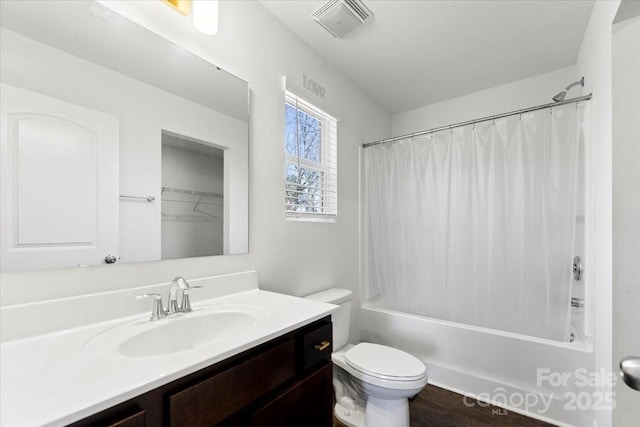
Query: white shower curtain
point(476, 224)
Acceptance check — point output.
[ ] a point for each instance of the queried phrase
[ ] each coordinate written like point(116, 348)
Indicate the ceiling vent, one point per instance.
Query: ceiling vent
point(340, 17)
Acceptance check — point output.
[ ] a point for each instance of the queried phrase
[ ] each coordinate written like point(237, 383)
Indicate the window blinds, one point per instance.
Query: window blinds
point(311, 176)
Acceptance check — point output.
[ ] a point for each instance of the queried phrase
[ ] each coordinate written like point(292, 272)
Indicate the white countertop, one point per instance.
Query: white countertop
point(61, 377)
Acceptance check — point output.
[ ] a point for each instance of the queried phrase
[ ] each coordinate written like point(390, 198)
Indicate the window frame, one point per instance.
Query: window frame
point(326, 167)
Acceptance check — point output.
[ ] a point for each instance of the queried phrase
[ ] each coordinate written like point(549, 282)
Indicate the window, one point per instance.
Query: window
point(311, 181)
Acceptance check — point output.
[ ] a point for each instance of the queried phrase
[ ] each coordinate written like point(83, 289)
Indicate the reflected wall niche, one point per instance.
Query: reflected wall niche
point(192, 198)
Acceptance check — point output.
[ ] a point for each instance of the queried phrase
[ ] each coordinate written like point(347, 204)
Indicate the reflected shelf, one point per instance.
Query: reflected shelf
point(204, 215)
point(193, 192)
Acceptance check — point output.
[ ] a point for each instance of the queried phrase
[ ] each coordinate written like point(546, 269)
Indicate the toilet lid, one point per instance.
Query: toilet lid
point(384, 362)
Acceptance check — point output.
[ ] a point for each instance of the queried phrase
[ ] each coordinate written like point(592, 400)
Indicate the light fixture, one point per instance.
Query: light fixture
point(205, 16)
point(205, 13)
point(181, 6)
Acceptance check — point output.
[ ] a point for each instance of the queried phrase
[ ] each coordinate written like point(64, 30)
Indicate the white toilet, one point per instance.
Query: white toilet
point(372, 382)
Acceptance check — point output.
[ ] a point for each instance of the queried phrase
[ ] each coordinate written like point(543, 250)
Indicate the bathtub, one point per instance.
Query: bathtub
point(537, 377)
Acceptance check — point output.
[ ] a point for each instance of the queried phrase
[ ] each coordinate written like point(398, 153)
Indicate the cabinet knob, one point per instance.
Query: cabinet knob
point(322, 345)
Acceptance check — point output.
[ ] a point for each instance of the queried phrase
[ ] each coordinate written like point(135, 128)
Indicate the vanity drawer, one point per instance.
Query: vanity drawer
point(109, 418)
point(317, 345)
point(214, 399)
point(134, 420)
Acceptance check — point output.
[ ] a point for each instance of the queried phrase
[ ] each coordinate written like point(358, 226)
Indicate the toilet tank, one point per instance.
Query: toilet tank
point(342, 317)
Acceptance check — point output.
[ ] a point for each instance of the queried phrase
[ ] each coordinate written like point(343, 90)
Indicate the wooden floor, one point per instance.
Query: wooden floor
point(437, 407)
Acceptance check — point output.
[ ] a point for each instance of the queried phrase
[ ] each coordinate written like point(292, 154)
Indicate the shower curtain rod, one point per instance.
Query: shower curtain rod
point(484, 119)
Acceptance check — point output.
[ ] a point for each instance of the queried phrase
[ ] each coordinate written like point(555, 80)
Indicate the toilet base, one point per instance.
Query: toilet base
point(349, 417)
point(378, 413)
point(387, 412)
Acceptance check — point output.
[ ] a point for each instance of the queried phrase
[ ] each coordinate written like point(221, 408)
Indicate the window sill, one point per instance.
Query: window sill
point(311, 219)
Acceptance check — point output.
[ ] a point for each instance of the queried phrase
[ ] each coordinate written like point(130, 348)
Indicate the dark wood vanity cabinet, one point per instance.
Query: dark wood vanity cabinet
point(284, 382)
point(308, 403)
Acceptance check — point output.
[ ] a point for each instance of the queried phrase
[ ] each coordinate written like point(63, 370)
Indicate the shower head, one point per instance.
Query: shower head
point(560, 97)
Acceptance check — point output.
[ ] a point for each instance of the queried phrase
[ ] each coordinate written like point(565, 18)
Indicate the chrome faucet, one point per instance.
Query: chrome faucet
point(177, 284)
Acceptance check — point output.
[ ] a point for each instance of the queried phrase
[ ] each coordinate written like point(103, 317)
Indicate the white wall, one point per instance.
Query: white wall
point(292, 257)
point(626, 210)
point(524, 93)
point(594, 62)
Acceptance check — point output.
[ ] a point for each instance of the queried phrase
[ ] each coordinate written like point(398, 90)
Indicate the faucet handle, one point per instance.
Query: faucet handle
point(185, 306)
point(178, 283)
point(181, 282)
point(157, 312)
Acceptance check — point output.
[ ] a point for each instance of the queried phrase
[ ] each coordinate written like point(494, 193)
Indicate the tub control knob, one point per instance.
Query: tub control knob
point(578, 268)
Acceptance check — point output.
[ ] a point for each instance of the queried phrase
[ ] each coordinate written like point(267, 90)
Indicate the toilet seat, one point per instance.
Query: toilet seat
point(384, 363)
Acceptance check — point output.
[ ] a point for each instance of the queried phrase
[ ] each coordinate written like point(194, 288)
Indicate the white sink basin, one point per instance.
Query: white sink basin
point(176, 333)
point(185, 333)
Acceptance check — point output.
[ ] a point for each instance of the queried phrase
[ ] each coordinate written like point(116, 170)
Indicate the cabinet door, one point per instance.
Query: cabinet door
point(307, 403)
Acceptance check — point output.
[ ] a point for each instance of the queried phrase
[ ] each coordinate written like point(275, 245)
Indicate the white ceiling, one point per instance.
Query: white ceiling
point(415, 53)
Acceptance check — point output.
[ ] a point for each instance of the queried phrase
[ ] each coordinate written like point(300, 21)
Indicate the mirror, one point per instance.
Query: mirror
point(116, 144)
